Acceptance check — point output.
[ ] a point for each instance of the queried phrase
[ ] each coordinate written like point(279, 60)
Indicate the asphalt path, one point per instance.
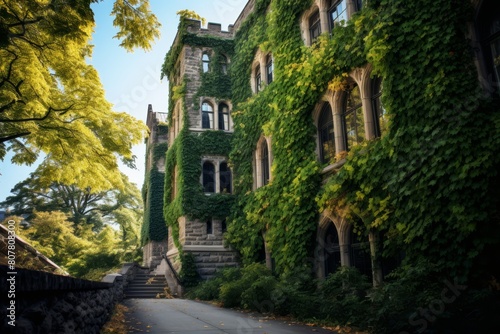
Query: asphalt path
point(187, 316)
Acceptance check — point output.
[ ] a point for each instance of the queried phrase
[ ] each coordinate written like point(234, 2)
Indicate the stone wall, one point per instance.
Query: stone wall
point(208, 263)
point(153, 252)
point(48, 303)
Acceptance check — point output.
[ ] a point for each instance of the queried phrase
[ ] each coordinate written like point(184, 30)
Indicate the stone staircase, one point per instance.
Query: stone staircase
point(146, 285)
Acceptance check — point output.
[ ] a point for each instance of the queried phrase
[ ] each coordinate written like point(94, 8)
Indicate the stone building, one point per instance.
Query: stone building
point(204, 85)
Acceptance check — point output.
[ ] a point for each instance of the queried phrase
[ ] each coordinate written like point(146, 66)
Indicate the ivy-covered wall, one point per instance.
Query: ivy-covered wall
point(154, 227)
point(428, 183)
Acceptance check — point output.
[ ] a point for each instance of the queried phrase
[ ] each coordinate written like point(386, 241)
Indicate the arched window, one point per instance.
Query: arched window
point(208, 177)
point(223, 63)
point(488, 28)
point(360, 254)
point(314, 26)
point(264, 162)
point(354, 126)
point(269, 69)
point(337, 13)
point(332, 249)
point(223, 117)
point(205, 59)
point(325, 134)
point(258, 79)
point(207, 116)
point(225, 178)
point(379, 113)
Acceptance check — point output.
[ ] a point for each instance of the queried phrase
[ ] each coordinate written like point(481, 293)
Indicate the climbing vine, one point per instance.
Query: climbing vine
point(415, 184)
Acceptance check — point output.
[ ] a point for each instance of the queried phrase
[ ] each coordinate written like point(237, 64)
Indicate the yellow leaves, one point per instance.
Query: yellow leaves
point(190, 14)
point(137, 25)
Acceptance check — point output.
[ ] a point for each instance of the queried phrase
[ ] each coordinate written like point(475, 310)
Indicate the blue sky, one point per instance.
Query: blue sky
point(132, 80)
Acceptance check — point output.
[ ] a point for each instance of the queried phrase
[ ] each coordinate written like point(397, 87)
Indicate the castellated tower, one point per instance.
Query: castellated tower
point(198, 180)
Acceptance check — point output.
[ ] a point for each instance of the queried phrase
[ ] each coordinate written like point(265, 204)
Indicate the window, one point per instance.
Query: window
point(314, 26)
point(325, 134)
point(359, 5)
point(225, 178)
point(264, 162)
point(207, 116)
point(332, 249)
point(208, 177)
point(269, 69)
point(360, 254)
point(354, 126)
point(210, 227)
point(258, 80)
point(223, 63)
point(224, 226)
point(223, 117)
point(379, 114)
point(488, 28)
point(337, 13)
point(205, 59)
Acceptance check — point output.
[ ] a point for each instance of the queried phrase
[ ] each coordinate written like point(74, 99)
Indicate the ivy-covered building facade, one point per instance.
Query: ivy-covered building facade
point(334, 133)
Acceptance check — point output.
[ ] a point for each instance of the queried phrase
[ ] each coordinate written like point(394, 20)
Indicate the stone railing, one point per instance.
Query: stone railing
point(41, 302)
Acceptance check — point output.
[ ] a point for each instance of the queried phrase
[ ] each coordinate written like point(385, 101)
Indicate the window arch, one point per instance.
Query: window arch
point(269, 69)
point(331, 249)
point(314, 26)
point(379, 113)
point(488, 29)
point(337, 13)
point(326, 134)
point(225, 178)
point(208, 177)
point(205, 60)
point(223, 117)
point(353, 119)
point(207, 116)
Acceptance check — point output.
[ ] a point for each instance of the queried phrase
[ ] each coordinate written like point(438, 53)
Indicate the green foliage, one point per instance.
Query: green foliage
point(189, 275)
point(154, 227)
point(52, 102)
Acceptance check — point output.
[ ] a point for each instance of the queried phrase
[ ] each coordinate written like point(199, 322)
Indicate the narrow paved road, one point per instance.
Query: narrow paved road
point(186, 316)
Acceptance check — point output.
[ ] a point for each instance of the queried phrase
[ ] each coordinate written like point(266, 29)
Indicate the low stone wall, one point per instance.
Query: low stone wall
point(42, 302)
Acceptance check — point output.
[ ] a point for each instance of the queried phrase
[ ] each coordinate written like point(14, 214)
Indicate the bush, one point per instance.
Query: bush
point(189, 275)
point(210, 289)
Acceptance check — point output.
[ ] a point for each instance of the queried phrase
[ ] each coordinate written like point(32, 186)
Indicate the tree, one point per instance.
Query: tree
point(52, 101)
point(82, 206)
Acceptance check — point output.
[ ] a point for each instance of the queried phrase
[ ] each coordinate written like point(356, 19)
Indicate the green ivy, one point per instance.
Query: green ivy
point(424, 184)
point(154, 227)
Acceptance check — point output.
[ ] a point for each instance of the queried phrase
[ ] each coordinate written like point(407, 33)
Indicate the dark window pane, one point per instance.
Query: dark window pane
point(326, 135)
point(223, 64)
point(360, 255)
point(210, 229)
point(269, 69)
point(224, 226)
point(332, 249)
point(379, 113)
point(225, 178)
point(208, 177)
point(354, 125)
point(223, 117)
point(314, 26)
point(207, 116)
point(265, 163)
point(258, 80)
